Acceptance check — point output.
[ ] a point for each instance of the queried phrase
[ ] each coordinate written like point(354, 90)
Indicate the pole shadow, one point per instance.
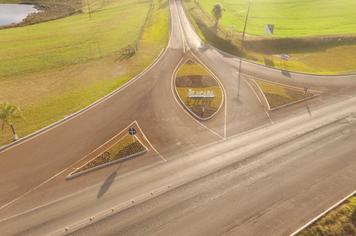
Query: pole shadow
point(108, 182)
point(306, 104)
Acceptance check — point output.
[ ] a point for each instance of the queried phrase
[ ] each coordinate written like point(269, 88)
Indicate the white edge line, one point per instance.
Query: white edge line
point(181, 28)
point(322, 214)
point(259, 97)
point(68, 118)
point(149, 141)
point(259, 88)
point(64, 169)
point(286, 85)
point(224, 92)
point(71, 174)
point(180, 105)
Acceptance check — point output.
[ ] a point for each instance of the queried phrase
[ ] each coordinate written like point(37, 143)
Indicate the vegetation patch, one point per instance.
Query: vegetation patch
point(290, 18)
point(308, 53)
point(54, 69)
point(123, 148)
point(340, 221)
point(198, 90)
point(278, 95)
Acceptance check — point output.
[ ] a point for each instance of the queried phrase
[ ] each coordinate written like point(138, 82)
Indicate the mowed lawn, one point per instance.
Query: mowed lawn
point(67, 64)
point(74, 39)
point(290, 18)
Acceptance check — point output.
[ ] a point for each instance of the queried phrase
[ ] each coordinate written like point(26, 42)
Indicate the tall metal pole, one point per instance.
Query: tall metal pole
point(243, 35)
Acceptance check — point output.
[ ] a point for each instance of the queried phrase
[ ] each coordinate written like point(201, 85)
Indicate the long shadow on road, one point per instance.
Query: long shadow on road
point(108, 182)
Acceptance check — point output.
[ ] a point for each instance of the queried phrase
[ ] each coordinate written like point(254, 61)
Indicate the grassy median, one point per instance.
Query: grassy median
point(56, 68)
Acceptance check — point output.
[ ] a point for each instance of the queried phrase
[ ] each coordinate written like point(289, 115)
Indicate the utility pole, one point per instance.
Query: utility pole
point(243, 35)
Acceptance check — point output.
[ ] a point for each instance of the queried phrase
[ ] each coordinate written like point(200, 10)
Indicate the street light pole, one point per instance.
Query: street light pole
point(243, 35)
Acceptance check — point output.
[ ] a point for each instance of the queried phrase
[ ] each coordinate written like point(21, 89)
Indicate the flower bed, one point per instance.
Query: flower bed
point(123, 148)
point(192, 77)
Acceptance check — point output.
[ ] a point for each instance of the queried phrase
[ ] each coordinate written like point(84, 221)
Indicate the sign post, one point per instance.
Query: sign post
point(269, 29)
point(132, 131)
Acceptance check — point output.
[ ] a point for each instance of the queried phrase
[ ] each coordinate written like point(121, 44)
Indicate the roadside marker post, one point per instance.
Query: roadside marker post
point(132, 131)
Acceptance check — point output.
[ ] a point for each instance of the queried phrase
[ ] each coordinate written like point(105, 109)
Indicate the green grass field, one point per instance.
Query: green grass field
point(291, 18)
point(71, 40)
point(49, 86)
point(331, 54)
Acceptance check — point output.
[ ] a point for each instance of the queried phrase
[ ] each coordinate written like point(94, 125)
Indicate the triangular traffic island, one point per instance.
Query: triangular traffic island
point(126, 148)
point(278, 95)
point(198, 91)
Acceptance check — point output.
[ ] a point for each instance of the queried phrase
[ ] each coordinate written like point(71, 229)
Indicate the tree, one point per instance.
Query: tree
point(217, 12)
point(9, 112)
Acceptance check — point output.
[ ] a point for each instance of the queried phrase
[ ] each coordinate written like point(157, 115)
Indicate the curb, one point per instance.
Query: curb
point(285, 105)
point(192, 113)
point(72, 176)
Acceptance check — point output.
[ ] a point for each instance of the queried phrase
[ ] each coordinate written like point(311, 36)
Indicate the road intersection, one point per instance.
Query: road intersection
point(245, 171)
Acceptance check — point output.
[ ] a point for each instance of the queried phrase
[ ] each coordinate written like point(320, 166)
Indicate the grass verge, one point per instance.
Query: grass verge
point(319, 54)
point(278, 95)
point(49, 93)
point(123, 148)
point(340, 221)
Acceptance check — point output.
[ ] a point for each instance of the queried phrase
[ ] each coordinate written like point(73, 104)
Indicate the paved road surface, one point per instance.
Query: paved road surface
point(247, 171)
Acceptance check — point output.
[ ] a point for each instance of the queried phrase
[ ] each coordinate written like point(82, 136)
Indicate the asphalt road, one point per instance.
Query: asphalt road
point(247, 171)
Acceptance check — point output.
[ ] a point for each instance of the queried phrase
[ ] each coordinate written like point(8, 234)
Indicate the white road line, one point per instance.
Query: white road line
point(224, 93)
point(7, 204)
point(180, 105)
point(91, 106)
point(322, 214)
point(149, 141)
point(259, 99)
point(285, 85)
point(181, 28)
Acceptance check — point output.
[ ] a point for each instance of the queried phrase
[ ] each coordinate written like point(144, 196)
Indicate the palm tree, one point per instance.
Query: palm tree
point(217, 12)
point(8, 112)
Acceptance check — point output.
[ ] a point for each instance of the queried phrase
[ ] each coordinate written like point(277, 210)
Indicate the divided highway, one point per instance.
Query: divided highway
point(247, 171)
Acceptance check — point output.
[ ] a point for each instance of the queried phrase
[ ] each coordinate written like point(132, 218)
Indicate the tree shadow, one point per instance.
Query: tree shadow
point(108, 182)
point(211, 36)
point(297, 45)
